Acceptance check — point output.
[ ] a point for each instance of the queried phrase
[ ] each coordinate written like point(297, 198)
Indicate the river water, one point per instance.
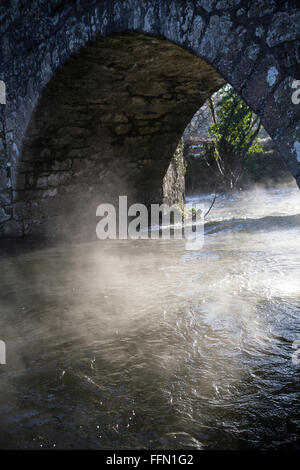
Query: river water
point(142, 344)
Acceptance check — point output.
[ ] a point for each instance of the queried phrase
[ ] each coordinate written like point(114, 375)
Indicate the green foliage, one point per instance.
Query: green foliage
point(235, 126)
point(252, 165)
point(186, 212)
point(234, 132)
point(257, 164)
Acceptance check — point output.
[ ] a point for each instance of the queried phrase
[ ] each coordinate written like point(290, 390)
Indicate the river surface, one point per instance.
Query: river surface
point(142, 344)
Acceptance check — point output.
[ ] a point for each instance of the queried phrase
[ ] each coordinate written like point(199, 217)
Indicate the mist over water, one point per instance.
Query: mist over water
point(142, 344)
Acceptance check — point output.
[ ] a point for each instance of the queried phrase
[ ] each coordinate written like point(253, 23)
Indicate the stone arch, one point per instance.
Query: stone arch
point(253, 45)
point(107, 125)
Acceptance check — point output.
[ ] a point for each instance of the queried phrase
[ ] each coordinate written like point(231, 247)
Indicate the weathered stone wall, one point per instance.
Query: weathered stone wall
point(253, 44)
point(174, 179)
point(106, 125)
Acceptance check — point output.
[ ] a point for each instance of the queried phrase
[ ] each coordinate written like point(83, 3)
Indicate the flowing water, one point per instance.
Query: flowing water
point(141, 344)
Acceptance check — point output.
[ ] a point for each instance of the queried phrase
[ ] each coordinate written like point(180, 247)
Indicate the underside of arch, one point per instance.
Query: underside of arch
point(107, 125)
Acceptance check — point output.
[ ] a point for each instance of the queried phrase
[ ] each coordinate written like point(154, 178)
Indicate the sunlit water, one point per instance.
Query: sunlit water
point(141, 344)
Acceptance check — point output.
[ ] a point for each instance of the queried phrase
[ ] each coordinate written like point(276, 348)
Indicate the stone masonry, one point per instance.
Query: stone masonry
point(98, 94)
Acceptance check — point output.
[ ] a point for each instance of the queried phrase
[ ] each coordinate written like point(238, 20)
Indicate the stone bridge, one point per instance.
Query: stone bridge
point(98, 93)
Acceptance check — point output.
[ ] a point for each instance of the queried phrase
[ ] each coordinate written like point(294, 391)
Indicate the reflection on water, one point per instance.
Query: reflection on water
point(141, 344)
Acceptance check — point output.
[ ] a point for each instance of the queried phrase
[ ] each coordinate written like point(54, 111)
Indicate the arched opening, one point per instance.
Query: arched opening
point(225, 147)
point(107, 125)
